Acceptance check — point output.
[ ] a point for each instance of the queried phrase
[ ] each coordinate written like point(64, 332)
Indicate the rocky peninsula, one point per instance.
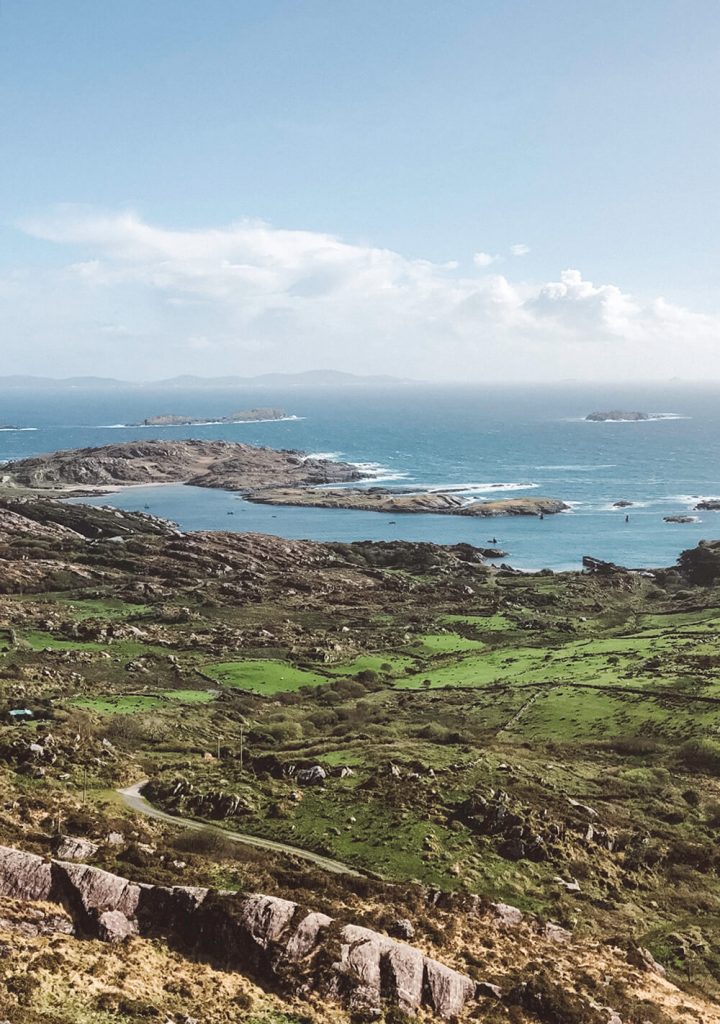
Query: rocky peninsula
point(244, 416)
point(217, 464)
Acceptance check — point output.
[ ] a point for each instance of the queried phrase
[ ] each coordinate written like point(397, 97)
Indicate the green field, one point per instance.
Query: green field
point(263, 676)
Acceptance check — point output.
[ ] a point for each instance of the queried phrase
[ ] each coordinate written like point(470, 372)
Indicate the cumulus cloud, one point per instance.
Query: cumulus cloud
point(136, 299)
point(520, 249)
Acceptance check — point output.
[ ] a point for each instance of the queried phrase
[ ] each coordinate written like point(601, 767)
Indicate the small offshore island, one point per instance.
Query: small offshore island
point(263, 475)
point(244, 416)
point(619, 416)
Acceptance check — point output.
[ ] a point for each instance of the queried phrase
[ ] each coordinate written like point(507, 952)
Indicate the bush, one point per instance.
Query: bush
point(285, 731)
point(205, 842)
point(702, 755)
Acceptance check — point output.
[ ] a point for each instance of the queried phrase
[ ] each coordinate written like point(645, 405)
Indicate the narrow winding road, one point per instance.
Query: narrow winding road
point(132, 797)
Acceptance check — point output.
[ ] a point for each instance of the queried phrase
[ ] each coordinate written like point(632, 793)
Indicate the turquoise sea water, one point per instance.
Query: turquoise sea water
point(489, 440)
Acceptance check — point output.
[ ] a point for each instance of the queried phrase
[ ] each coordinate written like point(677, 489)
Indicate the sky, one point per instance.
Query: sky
point(442, 189)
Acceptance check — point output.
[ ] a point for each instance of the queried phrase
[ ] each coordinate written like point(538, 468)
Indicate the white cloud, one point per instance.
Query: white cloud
point(484, 259)
point(520, 249)
point(137, 300)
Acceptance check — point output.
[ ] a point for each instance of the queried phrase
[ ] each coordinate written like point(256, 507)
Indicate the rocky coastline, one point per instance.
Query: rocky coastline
point(263, 475)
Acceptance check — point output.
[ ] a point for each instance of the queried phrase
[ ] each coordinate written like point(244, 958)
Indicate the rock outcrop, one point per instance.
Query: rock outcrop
point(296, 950)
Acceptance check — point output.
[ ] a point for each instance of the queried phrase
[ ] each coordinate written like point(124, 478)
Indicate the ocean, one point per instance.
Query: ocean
point(489, 440)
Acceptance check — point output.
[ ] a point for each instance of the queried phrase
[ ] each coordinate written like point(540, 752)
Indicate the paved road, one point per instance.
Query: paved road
point(133, 798)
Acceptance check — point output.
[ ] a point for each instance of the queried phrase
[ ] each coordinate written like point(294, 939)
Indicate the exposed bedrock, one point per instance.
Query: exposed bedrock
point(277, 940)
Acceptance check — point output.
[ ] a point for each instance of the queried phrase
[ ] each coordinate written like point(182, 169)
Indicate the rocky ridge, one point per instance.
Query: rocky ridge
point(276, 939)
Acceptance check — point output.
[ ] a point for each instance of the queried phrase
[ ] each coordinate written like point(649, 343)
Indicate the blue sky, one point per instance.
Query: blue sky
point(585, 132)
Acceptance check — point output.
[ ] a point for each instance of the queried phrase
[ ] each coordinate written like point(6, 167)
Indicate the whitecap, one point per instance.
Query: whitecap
point(475, 488)
point(325, 456)
point(580, 467)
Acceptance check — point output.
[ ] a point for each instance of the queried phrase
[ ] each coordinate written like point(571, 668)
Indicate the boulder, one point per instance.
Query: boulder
point(402, 928)
point(24, 876)
point(168, 909)
point(447, 991)
point(314, 776)
point(73, 848)
point(113, 926)
point(507, 916)
point(555, 933)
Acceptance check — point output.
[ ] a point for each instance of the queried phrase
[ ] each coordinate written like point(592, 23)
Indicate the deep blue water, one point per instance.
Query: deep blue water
point(439, 436)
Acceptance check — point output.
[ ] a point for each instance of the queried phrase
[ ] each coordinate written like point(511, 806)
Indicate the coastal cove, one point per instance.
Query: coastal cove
point(557, 542)
point(488, 442)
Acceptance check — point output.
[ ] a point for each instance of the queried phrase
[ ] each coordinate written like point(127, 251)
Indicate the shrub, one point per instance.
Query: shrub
point(205, 842)
point(701, 755)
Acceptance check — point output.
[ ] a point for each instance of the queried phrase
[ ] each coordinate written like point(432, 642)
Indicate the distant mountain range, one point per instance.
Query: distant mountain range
point(308, 379)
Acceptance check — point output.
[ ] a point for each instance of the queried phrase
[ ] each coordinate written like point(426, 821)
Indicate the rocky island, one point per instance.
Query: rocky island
point(244, 416)
point(618, 416)
point(264, 475)
point(383, 499)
